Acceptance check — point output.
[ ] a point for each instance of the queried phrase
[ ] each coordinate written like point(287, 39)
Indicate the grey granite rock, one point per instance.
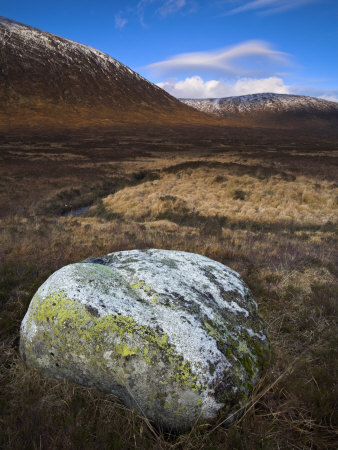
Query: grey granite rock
point(173, 334)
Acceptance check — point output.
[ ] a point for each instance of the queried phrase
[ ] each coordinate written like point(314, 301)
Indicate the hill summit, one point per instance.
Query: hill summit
point(277, 110)
point(47, 80)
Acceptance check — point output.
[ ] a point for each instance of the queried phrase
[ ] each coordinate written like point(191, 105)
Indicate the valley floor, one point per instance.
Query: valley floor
point(263, 203)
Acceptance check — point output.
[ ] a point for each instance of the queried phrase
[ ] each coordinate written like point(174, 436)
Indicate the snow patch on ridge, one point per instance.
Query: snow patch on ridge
point(39, 41)
point(261, 103)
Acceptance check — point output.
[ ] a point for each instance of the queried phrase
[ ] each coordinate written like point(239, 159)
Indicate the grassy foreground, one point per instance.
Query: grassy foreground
point(269, 213)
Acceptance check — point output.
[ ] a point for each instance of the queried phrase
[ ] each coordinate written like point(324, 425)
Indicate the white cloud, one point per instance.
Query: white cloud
point(269, 6)
point(222, 60)
point(255, 86)
point(196, 87)
point(120, 22)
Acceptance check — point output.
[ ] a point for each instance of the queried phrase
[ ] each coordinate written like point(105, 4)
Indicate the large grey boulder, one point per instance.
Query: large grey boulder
point(173, 334)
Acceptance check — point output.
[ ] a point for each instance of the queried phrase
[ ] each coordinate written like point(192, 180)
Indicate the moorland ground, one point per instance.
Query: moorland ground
point(262, 202)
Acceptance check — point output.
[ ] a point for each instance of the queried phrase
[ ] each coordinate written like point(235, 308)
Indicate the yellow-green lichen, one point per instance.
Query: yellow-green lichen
point(242, 347)
point(213, 332)
point(124, 350)
point(140, 285)
point(65, 322)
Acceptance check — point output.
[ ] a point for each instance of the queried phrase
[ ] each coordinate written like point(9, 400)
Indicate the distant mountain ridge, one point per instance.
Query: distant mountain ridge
point(47, 77)
point(269, 107)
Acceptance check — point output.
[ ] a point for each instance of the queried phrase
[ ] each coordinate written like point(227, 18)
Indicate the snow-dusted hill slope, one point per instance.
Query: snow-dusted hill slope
point(47, 75)
point(261, 103)
point(262, 107)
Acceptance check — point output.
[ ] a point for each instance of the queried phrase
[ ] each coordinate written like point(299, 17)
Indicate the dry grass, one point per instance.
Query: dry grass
point(281, 243)
point(212, 192)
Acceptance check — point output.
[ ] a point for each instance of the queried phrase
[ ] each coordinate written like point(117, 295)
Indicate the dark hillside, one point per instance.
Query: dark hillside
point(48, 81)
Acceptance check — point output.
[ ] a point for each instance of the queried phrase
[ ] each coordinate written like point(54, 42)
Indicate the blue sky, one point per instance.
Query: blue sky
point(204, 48)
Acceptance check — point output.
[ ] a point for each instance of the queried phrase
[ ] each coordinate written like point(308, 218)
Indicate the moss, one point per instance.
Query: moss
point(246, 355)
point(248, 364)
point(90, 336)
point(247, 351)
point(261, 350)
point(211, 367)
point(228, 352)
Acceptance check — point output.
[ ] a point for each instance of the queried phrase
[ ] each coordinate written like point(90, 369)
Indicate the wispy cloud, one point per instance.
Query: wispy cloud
point(171, 6)
point(161, 8)
point(141, 8)
point(246, 54)
point(196, 87)
point(120, 22)
point(314, 91)
point(268, 6)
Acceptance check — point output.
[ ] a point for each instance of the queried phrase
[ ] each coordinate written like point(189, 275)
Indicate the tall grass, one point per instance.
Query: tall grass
point(278, 233)
point(211, 192)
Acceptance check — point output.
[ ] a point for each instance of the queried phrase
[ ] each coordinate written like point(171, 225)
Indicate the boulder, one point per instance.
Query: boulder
point(173, 334)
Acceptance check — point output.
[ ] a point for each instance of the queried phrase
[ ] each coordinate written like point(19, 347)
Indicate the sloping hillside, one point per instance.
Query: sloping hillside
point(46, 80)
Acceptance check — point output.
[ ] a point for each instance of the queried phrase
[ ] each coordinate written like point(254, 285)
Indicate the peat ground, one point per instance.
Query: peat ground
point(263, 202)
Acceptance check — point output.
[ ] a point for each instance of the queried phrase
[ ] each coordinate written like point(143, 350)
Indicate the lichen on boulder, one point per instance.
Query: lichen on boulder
point(173, 334)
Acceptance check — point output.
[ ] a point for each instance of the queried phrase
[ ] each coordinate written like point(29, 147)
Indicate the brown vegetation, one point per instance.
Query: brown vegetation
point(51, 83)
point(267, 210)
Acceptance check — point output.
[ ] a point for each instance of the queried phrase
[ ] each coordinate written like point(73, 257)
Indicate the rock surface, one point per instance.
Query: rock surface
point(173, 334)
